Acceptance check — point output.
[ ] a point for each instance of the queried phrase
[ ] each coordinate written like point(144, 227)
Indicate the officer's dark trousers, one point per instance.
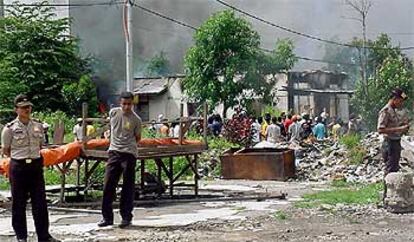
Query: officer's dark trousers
point(119, 163)
point(391, 152)
point(26, 180)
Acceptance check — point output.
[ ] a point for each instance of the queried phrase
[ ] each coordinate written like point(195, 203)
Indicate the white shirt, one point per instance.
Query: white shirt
point(273, 133)
point(77, 131)
point(174, 132)
point(256, 127)
point(294, 130)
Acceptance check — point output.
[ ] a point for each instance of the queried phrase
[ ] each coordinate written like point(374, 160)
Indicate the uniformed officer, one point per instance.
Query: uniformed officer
point(21, 141)
point(124, 137)
point(392, 126)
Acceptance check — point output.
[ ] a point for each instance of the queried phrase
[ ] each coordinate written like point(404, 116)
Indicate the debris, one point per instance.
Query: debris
point(328, 160)
point(400, 192)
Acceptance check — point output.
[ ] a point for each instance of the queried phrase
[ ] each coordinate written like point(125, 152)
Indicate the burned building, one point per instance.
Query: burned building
point(313, 91)
point(159, 95)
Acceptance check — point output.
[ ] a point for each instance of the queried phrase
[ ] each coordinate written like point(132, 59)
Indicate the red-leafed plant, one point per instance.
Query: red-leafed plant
point(237, 129)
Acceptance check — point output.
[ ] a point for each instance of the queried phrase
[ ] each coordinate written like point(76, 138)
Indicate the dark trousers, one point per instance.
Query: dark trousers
point(26, 181)
point(391, 153)
point(119, 163)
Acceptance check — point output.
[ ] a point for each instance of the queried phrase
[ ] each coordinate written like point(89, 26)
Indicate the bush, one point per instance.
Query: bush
point(52, 118)
point(356, 153)
point(350, 141)
point(274, 112)
point(238, 129)
point(7, 115)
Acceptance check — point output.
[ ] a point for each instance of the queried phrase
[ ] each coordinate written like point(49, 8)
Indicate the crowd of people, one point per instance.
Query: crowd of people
point(164, 128)
point(295, 128)
point(289, 127)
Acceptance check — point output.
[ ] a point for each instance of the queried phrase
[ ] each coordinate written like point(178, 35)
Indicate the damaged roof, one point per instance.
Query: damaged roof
point(153, 85)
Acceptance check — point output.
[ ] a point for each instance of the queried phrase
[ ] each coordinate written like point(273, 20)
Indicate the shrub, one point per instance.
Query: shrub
point(52, 118)
point(350, 141)
point(237, 130)
point(274, 112)
point(6, 115)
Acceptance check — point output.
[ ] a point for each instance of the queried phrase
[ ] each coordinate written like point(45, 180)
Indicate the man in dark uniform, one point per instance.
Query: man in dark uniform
point(392, 127)
point(125, 135)
point(22, 140)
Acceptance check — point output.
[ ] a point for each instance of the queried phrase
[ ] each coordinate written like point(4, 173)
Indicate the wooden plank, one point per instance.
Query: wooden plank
point(181, 173)
point(152, 152)
point(180, 132)
point(171, 176)
point(205, 125)
point(59, 132)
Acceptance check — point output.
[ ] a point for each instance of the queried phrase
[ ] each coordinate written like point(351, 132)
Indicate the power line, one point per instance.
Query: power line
point(297, 32)
point(61, 4)
point(194, 28)
point(315, 60)
point(164, 17)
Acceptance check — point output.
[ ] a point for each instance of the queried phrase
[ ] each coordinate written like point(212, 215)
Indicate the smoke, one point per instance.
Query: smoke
point(100, 28)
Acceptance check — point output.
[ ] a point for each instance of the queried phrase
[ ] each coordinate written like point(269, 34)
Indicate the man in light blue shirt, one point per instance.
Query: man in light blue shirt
point(319, 131)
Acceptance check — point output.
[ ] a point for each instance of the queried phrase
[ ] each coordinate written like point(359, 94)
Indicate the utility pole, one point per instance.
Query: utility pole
point(128, 44)
point(1, 8)
point(362, 7)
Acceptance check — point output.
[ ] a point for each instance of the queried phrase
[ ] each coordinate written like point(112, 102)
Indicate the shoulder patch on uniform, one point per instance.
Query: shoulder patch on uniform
point(8, 125)
point(36, 120)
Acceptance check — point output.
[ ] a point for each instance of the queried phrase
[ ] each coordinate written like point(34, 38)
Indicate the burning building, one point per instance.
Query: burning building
point(313, 91)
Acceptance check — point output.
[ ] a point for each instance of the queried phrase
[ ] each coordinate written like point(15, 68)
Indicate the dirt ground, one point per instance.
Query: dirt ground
point(244, 220)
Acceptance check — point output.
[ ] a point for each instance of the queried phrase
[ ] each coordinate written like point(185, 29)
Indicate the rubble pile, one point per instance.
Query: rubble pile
point(329, 160)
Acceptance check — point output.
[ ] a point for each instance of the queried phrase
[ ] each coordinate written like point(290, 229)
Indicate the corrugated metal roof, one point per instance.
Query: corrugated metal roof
point(150, 85)
point(153, 85)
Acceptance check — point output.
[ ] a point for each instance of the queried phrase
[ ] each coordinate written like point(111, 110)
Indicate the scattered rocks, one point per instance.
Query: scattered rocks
point(329, 160)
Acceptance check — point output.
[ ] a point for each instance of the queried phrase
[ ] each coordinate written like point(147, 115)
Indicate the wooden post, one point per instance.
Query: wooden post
point(180, 136)
point(62, 186)
point(171, 176)
point(205, 124)
point(78, 165)
point(196, 175)
point(84, 116)
point(84, 140)
point(159, 170)
point(142, 176)
point(86, 177)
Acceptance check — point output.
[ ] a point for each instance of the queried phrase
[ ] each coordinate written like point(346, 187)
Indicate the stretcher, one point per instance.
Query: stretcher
point(72, 151)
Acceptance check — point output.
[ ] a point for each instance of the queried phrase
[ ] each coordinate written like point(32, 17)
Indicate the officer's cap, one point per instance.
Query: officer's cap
point(399, 93)
point(22, 100)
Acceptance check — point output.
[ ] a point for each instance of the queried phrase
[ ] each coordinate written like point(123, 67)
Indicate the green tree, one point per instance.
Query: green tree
point(39, 56)
point(158, 65)
point(77, 93)
point(390, 69)
point(226, 65)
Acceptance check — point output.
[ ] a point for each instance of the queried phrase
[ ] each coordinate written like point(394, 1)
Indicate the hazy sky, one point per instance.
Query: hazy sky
point(100, 28)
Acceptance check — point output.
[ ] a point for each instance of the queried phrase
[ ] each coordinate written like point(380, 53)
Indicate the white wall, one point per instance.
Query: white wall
point(167, 103)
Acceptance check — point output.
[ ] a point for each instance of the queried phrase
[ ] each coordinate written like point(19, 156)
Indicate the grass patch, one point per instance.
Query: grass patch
point(356, 155)
point(4, 183)
point(280, 215)
point(356, 152)
point(350, 141)
point(344, 194)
